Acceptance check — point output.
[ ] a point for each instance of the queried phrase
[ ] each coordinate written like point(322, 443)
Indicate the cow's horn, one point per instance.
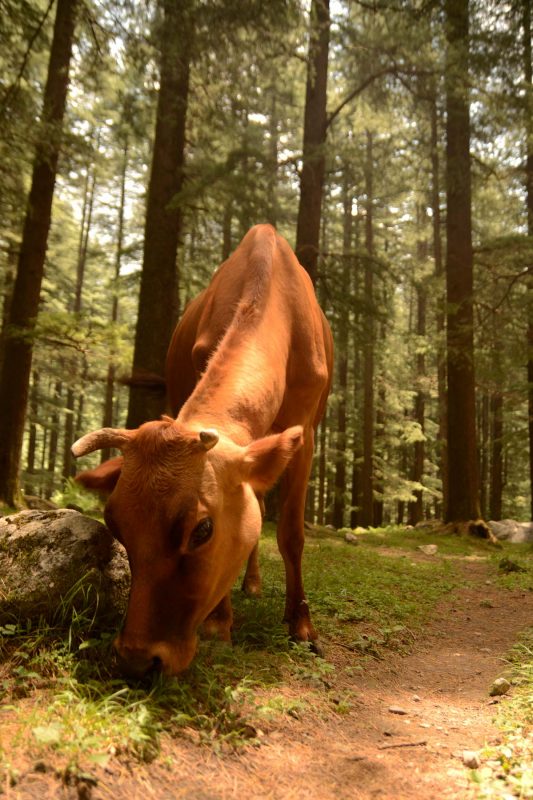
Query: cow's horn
point(209, 438)
point(98, 440)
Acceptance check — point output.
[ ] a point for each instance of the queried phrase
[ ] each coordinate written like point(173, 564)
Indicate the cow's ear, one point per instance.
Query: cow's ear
point(265, 459)
point(103, 478)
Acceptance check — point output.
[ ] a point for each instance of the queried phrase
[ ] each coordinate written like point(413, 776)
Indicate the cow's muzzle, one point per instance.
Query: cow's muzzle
point(139, 662)
point(134, 662)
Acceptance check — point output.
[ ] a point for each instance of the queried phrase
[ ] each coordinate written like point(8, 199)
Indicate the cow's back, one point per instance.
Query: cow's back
point(264, 273)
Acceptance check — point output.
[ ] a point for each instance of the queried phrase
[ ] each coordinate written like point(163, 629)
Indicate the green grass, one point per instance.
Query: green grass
point(508, 768)
point(411, 538)
point(60, 695)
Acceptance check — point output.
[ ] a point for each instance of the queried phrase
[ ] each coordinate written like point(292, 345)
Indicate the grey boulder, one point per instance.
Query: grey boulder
point(51, 557)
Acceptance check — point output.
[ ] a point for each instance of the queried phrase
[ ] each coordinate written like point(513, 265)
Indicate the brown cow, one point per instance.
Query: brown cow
point(248, 373)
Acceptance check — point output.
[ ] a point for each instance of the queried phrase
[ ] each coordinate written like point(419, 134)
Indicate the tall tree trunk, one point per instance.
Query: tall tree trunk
point(442, 449)
point(108, 420)
point(416, 509)
point(496, 472)
point(403, 469)
point(158, 299)
point(463, 497)
point(378, 478)
point(54, 438)
point(342, 364)
point(32, 439)
point(529, 201)
point(16, 367)
point(226, 230)
point(484, 455)
point(356, 483)
point(322, 470)
point(83, 249)
point(9, 278)
point(367, 510)
point(314, 157)
point(272, 186)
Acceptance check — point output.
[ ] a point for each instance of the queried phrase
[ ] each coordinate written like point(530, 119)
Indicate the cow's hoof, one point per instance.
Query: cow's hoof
point(251, 588)
point(216, 629)
point(314, 645)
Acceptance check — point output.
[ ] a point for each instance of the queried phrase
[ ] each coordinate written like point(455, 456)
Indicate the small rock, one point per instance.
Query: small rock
point(351, 538)
point(428, 549)
point(416, 698)
point(397, 710)
point(471, 759)
point(500, 686)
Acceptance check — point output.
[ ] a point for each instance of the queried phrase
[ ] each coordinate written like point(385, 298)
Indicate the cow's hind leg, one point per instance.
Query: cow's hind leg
point(293, 491)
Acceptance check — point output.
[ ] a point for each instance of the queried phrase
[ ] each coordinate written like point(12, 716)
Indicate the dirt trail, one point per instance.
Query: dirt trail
point(442, 685)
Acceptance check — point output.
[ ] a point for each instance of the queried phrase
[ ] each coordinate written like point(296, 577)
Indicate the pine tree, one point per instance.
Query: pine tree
point(16, 367)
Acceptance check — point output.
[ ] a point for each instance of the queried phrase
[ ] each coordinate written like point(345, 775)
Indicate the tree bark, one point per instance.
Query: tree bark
point(416, 509)
point(356, 491)
point(322, 470)
point(54, 438)
point(378, 478)
point(367, 510)
point(463, 497)
point(158, 299)
point(16, 367)
point(441, 300)
point(314, 140)
point(342, 366)
point(484, 459)
point(9, 279)
point(529, 203)
point(272, 187)
point(32, 439)
point(69, 468)
point(108, 416)
point(496, 472)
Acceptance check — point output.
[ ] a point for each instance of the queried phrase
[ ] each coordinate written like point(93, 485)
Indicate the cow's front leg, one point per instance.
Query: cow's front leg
point(293, 490)
point(251, 584)
point(220, 621)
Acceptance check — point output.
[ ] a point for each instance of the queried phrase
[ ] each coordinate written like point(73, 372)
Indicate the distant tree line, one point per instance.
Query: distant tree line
point(392, 144)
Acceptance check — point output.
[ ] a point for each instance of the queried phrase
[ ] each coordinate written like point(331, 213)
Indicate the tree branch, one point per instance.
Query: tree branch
point(358, 89)
point(14, 86)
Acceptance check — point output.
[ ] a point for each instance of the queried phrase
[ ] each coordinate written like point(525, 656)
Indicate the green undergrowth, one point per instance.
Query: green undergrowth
point(61, 701)
point(507, 769)
point(411, 538)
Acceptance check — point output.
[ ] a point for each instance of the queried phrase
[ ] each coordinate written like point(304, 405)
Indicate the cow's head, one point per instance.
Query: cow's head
point(185, 509)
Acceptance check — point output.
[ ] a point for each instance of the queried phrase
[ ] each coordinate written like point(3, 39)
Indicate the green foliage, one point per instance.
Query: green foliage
point(507, 769)
point(73, 494)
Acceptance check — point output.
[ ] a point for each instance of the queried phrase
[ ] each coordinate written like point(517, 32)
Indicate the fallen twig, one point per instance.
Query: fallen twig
point(418, 743)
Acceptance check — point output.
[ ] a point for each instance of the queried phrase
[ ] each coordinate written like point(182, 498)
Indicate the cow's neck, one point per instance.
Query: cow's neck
point(242, 388)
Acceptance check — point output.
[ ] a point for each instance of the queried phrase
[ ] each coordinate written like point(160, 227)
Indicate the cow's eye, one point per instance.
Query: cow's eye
point(202, 532)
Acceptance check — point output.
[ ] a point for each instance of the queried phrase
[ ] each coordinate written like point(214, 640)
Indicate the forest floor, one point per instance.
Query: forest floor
point(388, 720)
